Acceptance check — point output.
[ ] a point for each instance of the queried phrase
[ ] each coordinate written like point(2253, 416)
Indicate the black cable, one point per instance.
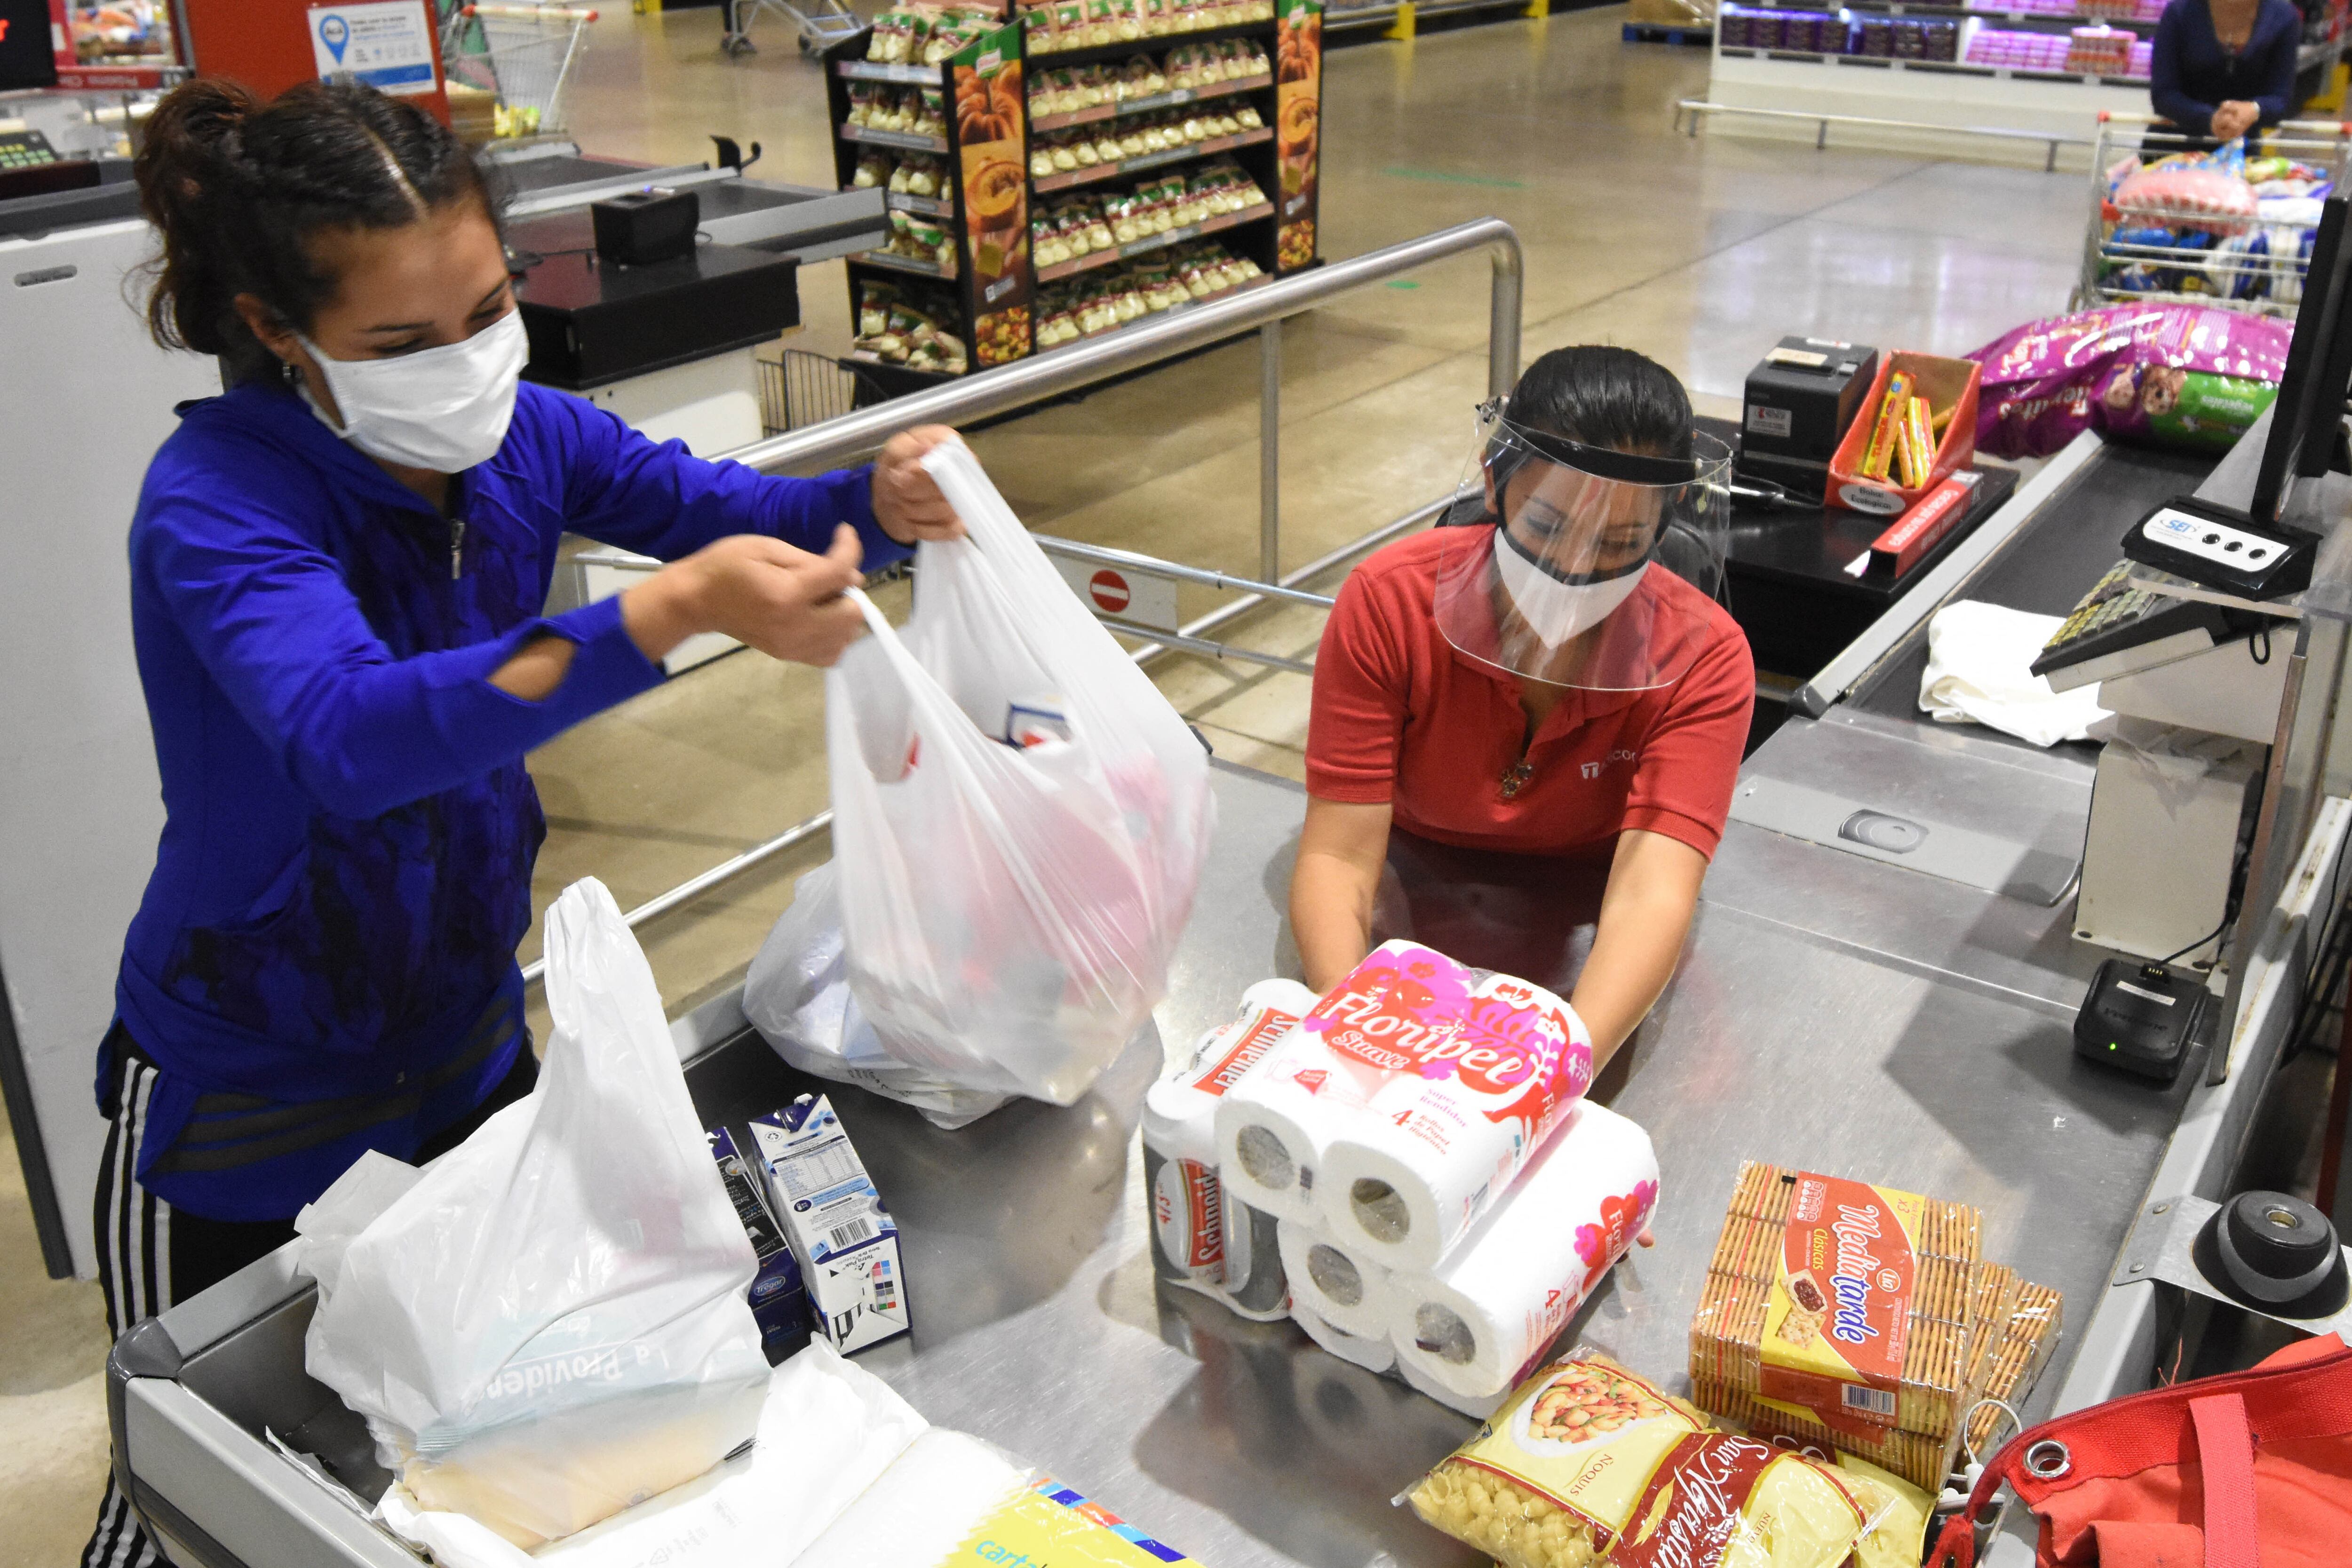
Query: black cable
point(2262, 636)
point(2200, 941)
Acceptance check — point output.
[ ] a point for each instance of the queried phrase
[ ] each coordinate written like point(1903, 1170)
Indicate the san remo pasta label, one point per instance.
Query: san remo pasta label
point(1838, 1323)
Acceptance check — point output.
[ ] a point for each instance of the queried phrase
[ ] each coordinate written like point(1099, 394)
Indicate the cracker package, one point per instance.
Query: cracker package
point(2023, 1330)
point(1588, 1460)
point(1842, 1301)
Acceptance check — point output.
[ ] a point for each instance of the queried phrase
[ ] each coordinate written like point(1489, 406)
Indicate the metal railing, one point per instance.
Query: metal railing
point(1032, 381)
point(1698, 107)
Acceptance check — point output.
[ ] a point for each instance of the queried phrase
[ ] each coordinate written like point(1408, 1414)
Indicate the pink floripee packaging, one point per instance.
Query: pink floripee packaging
point(2180, 374)
point(1405, 1103)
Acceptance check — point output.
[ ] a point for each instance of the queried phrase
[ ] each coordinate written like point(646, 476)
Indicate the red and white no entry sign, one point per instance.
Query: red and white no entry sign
point(1109, 590)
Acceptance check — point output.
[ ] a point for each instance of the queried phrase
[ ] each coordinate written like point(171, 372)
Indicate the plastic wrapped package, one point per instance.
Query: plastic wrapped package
point(550, 1325)
point(1587, 1459)
point(2185, 376)
point(1008, 912)
point(797, 995)
point(2026, 1331)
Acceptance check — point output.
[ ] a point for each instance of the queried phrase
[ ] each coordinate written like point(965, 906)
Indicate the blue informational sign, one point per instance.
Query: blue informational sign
point(387, 44)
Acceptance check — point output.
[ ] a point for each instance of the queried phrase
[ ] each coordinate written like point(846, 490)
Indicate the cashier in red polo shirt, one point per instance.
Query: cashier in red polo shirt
point(1548, 675)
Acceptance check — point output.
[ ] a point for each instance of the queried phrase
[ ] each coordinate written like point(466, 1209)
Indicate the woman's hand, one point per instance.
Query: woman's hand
point(2234, 119)
point(788, 603)
point(907, 500)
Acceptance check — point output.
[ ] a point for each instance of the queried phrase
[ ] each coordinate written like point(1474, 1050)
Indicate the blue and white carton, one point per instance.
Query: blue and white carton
point(845, 1238)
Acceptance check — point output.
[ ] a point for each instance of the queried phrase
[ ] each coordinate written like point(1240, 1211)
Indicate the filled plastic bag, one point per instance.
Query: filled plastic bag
point(550, 1324)
point(797, 995)
point(2193, 377)
point(1019, 816)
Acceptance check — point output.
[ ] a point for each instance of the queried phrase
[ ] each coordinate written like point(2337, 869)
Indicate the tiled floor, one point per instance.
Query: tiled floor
point(1700, 252)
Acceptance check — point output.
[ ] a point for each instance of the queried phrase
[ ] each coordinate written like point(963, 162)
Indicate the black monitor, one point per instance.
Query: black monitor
point(27, 57)
point(2307, 418)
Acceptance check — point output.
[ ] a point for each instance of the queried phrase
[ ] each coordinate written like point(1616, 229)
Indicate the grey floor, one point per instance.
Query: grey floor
point(1699, 252)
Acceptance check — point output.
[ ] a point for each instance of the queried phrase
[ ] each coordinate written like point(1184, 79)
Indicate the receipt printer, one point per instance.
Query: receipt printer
point(643, 229)
point(2138, 1016)
point(1797, 405)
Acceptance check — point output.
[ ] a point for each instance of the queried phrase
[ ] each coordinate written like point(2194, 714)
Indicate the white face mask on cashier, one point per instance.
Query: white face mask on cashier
point(444, 409)
point(1555, 611)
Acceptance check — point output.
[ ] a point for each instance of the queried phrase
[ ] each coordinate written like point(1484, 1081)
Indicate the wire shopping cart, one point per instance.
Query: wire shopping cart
point(2249, 253)
point(804, 388)
point(521, 54)
point(826, 22)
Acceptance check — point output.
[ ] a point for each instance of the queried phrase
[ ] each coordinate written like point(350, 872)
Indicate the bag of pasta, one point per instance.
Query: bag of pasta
point(1587, 1460)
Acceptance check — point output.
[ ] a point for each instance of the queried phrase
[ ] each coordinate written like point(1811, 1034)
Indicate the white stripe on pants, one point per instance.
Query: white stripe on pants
point(135, 1268)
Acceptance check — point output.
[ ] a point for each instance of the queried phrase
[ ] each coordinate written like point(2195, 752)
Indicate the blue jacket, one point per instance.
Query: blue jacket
point(2190, 75)
point(345, 864)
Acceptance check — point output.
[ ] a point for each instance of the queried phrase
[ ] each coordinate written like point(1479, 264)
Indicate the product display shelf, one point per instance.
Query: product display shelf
point(1938, 68)
point(1063, 179)
point(1151, 243)
point(1958, 14)
point(1158, 100)
point(985, 299)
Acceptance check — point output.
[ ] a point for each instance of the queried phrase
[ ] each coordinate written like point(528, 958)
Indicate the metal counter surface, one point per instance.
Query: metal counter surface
point(1799, 1031)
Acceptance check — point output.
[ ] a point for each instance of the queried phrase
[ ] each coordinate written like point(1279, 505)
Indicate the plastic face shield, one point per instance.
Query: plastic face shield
point(1559, 561)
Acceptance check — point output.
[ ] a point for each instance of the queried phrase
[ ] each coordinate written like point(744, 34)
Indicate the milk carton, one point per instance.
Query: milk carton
point(845, 1241)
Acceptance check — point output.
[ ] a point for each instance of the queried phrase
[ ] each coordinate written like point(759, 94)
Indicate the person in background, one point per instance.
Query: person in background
point(2221, 68)
point(1549, 677)
point(338, 570)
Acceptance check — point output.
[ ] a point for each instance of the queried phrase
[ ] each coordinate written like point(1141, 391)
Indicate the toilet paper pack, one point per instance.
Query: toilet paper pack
point(1335, 1282)
point(1477, 1070)
point(845, 1241)
point(1203, 1236)
point(1480, 1321)
point(1376, 1355)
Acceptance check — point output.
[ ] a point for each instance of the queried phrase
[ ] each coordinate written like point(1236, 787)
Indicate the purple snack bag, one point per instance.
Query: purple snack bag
point(2180, 374)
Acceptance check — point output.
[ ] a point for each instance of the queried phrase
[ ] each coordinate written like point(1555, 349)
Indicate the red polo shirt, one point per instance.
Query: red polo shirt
point(1401, 716)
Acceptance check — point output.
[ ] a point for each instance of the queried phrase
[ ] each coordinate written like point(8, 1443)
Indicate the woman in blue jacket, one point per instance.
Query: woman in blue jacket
point(338, 570)
point(2219, 68)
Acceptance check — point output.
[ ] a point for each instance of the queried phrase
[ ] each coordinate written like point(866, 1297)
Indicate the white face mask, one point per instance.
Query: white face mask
point(1555, 611)
point(444, 409)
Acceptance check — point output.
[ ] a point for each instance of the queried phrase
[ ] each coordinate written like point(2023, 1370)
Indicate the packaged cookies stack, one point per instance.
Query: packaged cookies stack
point(1587, 1461)
point(1861, 1319)
point(1839, 1312)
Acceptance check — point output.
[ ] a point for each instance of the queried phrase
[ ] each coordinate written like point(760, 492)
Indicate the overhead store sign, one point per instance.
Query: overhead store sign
point(387, 44)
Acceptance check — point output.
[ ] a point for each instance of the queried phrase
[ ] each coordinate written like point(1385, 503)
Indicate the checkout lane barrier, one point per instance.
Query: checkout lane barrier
point(1029, 382)
point(1700, 107)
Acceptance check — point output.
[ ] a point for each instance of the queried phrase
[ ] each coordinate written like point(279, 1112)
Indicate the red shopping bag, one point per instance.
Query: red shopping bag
point(2247, 1469)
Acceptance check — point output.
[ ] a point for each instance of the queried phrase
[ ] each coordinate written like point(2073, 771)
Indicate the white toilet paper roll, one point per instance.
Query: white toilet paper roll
point(1422, 1382)
point(1371, 1355)
point(1495, 1304)
point(922, 1510)
point(1407, 1182)
point(1203, 1238)
point(1335, 1283)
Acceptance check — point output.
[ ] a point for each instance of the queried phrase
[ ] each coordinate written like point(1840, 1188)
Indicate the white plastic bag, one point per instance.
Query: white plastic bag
point(797, 995)
point(828, 1429)
point(1009, 913)
point(550, 1325)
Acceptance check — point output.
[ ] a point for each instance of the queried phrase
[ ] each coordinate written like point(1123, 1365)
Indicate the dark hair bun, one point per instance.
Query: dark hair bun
point(1603, 395)
point(236, 188)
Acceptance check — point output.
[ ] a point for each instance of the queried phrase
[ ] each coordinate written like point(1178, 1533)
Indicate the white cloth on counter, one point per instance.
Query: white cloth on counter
point(921, 1510)
point(829, 1430)
point(1335, 1281)
point(1501, 1295)
point(1980, 669)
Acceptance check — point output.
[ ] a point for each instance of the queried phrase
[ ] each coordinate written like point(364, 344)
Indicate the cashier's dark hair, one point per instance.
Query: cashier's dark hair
point(1600, 395)
point(239, 188)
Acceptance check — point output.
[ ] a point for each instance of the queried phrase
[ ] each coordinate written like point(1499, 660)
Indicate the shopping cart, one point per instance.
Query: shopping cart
point(827, 22)
point(804, 388)
point(2252, 260)
point(521, 54)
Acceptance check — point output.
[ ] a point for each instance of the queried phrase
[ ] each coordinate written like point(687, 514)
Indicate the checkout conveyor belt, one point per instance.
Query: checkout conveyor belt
point(1832, 1011)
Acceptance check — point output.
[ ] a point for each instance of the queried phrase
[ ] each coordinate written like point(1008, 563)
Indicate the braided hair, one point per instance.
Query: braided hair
point(238, 189)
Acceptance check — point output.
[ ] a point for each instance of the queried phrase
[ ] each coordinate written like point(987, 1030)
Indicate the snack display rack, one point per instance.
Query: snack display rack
point(1061, 174)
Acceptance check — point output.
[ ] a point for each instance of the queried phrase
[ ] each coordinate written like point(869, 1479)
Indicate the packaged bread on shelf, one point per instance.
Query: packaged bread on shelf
point(1841, 1304)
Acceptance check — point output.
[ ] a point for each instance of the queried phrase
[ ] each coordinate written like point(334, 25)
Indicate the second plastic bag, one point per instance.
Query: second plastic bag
point(1018, 817)
point(550, 1325)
